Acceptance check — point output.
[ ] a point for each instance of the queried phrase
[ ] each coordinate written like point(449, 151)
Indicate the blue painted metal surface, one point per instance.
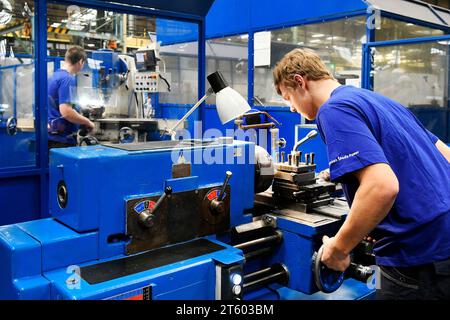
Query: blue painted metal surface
point(41, 100)
point(56, 241)
point(32, 270)
point(228, 17)
point(165, 10)
point(172, 31)
point(201, 69)
point(18, 198)
point(110, 176)
point(37, 253)
point(21, 275)
point(251, 68)
point(18, 150)
point(190, 279)
point(408, 41)
point(197, 8)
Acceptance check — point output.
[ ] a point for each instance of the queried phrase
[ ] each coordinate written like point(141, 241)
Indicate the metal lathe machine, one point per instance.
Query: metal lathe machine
point(192, 219)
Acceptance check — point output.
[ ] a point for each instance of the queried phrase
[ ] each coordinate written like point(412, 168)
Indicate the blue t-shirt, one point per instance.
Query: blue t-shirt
point(361, 128)
point(61, 89)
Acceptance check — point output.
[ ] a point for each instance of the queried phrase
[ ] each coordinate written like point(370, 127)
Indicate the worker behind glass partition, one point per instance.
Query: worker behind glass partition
point(64, 118)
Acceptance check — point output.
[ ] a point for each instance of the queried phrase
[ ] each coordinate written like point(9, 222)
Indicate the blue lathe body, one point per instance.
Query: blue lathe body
point(165, 220)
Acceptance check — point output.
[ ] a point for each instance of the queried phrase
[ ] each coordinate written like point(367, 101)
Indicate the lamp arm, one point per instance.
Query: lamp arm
point(172, 130)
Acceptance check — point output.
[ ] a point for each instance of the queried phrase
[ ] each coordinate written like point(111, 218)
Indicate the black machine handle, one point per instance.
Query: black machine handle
point(228, 175)
point(217, 205)
point(146, 217)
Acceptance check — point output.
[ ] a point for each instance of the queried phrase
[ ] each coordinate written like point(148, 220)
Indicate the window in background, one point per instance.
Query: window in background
point(124, 33)
point(391, 29)
point(229, 55)
point(416, 75)
point(182, 63)
point(339, 43)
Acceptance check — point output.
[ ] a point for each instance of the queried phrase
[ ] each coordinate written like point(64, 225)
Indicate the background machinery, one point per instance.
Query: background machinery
point(116, 94)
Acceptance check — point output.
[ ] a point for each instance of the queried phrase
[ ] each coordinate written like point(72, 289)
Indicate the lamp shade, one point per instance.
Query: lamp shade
point(230, 105)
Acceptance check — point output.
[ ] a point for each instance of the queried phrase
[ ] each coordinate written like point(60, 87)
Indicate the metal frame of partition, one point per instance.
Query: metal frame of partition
point(40, 169)
point(367, 80)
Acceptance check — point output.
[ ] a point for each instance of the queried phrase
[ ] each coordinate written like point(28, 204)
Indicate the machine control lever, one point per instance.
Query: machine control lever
point(217, 204)
point(228, 175)
point(310, 135)
point(146, 217)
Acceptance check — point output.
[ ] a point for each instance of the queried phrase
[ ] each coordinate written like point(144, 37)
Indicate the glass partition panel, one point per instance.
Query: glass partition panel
point(391, 29)
point(339, 43)
point(17, 127)
point(111, 40)
point(181, 61)
point(229, 55)
point(179, 51)
point(416, 75)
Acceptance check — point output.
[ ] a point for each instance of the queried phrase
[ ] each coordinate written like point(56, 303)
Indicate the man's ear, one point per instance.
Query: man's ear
point(300, 80)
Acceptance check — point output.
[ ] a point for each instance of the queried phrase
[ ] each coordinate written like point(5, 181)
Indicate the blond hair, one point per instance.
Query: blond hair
point(304, 62)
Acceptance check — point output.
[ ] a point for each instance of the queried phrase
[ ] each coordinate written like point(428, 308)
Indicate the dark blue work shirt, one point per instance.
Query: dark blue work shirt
point(61, 89)
point(361, 128)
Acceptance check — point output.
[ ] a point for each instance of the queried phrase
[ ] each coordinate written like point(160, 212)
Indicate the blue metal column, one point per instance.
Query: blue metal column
point(15, 92)
point(366, 79)
point(201, 70)
point(366, 66)
point(251, 68)
point(40, 97)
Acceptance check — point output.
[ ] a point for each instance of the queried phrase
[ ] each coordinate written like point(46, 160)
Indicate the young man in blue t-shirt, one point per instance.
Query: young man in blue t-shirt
point(394, 172)
point(63, 113)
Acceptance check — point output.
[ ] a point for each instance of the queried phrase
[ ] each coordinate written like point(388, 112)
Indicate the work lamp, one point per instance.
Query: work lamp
point(230, 104)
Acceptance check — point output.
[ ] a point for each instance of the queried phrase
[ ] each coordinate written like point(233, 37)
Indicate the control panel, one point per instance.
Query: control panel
point(152, 82)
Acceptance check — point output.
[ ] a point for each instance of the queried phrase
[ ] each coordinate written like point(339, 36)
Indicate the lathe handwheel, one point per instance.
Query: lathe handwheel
point(11, 126)
point(327, 280)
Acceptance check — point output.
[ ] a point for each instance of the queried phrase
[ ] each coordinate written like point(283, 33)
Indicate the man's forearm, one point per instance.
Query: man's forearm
point(370, 206)
point(75, 117)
